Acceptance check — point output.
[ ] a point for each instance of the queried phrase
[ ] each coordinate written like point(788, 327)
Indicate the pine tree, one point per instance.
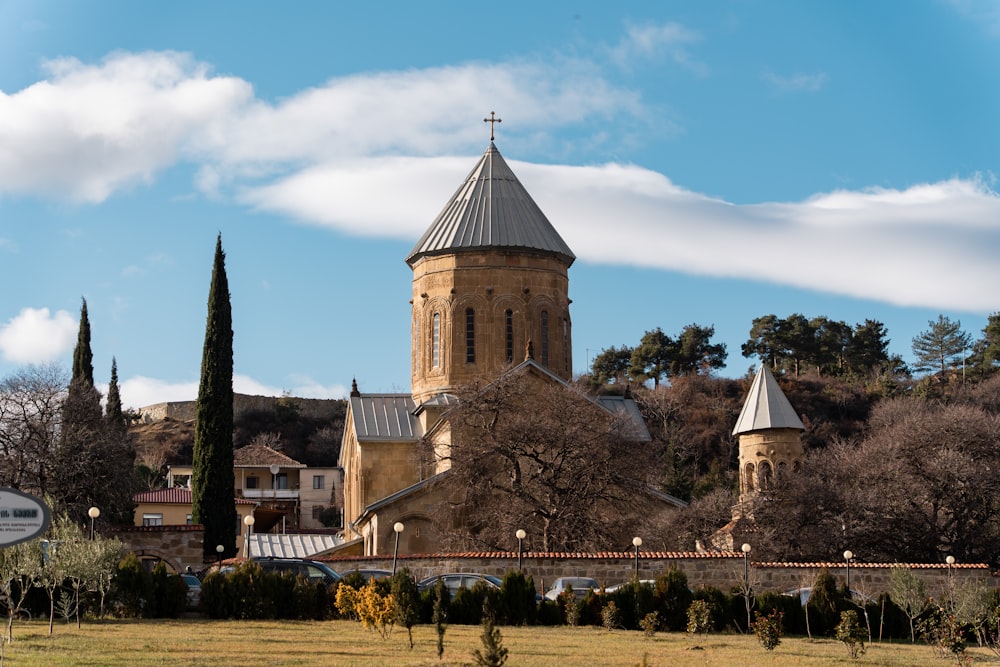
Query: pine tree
point(940, 344)
point(213, 486)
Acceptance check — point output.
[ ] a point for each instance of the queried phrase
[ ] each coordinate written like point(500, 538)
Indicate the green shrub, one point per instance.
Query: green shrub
point(611, 616)
point(517, 604)
point(649, 623)
point(718, 606)
point(850, 632)
point(768, 630)
point(671, 598)
point(131, 588)
point(699, 615)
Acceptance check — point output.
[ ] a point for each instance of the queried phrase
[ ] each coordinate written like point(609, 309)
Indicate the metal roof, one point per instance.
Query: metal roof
point(766, 406)
point(384, 417)
point(299, 545)
point(491, 209)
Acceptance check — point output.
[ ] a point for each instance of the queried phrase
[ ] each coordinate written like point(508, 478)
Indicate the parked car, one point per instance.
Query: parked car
point(370, 573)
point(580, 586)
point(456, 580)
point(625, 584)
point(314, 571)
point(193, 590)
point(804, 593)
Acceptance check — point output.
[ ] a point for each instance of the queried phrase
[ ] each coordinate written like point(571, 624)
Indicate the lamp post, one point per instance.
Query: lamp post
point(520, 535)
point(93, 513)
point(249, 521)
point(218, 550)
point(848, 555)
point(398, 528)
point(746, 562)
point(274, 482)
point(637, 542)
point(950, 560)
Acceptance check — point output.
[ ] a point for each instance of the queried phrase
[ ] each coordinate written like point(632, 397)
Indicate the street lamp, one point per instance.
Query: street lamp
point(951, 561)
point(249, 521)
point(848, 555)
point(398, 527)
point(93, 513)
point(637, 542)
point(746, 561)
point(520, 535)
point(218, 550)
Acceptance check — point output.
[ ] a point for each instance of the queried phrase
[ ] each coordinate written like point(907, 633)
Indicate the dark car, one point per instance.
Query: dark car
point(193, 584)
point(456, 580)
point(369, 574)
point(313, 571)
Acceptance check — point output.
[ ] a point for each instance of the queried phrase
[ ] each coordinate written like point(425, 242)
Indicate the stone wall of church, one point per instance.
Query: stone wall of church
point(490, 283)
point(720, 570)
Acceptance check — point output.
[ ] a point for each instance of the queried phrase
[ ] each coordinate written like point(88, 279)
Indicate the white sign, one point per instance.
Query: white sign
point(22, 517)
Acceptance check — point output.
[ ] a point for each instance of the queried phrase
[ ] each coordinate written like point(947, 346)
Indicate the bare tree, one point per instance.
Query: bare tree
point(529, 453)
point(31, 403)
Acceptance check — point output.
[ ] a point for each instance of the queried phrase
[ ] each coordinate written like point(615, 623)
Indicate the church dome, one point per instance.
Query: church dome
point(491, 210)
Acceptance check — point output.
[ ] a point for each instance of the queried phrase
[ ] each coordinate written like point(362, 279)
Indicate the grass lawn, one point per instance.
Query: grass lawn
point(268, 643)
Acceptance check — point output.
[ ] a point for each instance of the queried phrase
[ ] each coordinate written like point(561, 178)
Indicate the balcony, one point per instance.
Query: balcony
point(270, 494)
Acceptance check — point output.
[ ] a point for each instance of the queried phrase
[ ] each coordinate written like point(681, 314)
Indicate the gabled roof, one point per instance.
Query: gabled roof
point(262, 456)
point(491, 210)
point(766, 406)
point(386, 417)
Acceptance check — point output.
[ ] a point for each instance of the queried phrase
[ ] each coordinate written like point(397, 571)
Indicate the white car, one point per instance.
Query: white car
point(579, 585)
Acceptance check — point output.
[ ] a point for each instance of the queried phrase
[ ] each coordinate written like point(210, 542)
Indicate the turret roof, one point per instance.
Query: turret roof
point(491, 209)
point(766, 406)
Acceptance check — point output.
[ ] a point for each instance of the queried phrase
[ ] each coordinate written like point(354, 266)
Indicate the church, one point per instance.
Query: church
point(490, 295)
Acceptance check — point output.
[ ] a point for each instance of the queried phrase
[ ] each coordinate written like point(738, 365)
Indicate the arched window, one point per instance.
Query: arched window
point(748, 477)
point(545, 338)
point(470, 336)
point(766, 476)
point(436, 341)
point(782, 471)
point(509, 332)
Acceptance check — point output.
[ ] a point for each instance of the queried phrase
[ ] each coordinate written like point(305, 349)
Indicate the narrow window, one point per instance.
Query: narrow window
point(509, 324)
point(436, 342)
point(318, 481)
point(545, 338)
point(470, 336)
point(189, 520)
point(566, 345)
point(281, 481)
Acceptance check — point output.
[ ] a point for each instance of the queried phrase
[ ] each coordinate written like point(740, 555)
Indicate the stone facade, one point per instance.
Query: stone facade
point(179, 547)
point(474, 313)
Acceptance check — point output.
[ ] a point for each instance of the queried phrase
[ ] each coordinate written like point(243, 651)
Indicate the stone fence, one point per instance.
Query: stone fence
point(722, 570)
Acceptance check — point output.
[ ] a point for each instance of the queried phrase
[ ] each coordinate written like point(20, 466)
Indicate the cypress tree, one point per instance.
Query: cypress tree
point(213, 487)
point(83, 358)
point(78, 459)
point(113, 405)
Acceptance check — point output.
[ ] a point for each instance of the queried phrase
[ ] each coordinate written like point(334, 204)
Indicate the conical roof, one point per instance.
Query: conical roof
point(491, 209)
point(766, 406)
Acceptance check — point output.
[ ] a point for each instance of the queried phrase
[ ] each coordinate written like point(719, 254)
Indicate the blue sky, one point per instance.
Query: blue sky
point(707, 163)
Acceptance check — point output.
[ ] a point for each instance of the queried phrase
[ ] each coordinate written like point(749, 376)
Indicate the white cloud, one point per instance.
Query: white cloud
point(797, 82)
point(88, 130)
point(651, 41)
point(36, 336)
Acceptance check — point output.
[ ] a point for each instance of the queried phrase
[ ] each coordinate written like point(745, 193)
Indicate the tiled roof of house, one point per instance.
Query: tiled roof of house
point(262, 456)
point(174, 496)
